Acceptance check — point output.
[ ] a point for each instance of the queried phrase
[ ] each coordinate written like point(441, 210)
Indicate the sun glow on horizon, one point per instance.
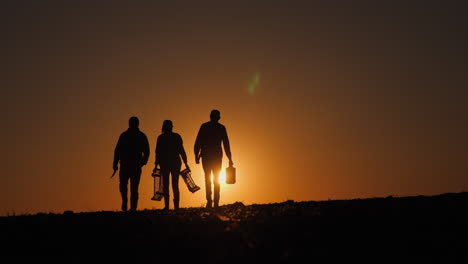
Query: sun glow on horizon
point(222, 176)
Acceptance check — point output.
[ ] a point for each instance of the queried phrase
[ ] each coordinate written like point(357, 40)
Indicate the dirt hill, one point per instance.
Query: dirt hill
point(418, 229)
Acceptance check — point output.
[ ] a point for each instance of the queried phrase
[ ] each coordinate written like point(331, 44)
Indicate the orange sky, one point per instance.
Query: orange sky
point(352, 101)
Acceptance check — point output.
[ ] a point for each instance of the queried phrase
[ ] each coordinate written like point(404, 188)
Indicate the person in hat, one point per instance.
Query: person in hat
point(169, 152)
point(211, 137)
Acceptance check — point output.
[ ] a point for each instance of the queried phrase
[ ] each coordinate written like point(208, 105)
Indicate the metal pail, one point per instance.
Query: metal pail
point(230, 175)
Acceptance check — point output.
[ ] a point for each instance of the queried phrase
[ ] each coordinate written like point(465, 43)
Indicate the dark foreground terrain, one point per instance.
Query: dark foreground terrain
point(419, 229)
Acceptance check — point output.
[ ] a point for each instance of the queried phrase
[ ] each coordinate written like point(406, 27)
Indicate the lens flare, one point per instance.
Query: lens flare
point(254, 84)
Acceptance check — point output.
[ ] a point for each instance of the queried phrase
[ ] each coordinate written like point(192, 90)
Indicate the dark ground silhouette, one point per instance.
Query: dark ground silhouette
point(417, 229)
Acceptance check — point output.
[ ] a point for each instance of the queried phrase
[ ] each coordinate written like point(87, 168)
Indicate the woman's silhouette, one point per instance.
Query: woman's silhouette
point(169, 151)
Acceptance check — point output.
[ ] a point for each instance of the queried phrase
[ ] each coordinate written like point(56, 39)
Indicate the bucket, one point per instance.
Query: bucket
point(230, 175)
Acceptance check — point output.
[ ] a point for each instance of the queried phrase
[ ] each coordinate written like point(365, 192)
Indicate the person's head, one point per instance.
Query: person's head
point(133, 122)
point(167, 126)
point(215, 115)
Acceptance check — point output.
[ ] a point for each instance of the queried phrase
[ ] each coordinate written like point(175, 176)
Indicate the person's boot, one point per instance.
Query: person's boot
point(176, 204)
point(166, 203)
point(124, 205)
point(133, 204)
point(216, 198)
point(208, 204)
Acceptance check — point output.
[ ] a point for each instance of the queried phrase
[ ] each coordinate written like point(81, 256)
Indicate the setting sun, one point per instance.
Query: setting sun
point(222, 176)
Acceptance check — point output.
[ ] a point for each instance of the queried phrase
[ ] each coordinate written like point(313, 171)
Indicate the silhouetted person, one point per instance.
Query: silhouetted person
point(208, 146)
point(132, 151)
point(169, 151)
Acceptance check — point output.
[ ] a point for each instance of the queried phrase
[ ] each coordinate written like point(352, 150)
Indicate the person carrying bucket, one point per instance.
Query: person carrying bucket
point(211, 137)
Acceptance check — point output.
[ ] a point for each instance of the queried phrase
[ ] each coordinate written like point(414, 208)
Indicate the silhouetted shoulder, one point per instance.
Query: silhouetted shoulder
point(133, 132)
point(221, 127)
point(170, 136)
point(212, 124)
point(142, 133)
point(204, 124)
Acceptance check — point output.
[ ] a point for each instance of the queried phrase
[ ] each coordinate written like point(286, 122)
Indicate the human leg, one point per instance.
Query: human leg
point(175, 185)
point(134, 184)
point(207, 171)
point(165, 178)
point(123, 186)
point(216, 183)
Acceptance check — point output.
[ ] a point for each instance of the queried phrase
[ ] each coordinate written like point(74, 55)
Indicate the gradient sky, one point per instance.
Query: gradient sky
point(321, 99)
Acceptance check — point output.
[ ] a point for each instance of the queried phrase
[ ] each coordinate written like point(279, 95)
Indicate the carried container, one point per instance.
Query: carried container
point(158, 191)
point(230, 175)
point(187, 176)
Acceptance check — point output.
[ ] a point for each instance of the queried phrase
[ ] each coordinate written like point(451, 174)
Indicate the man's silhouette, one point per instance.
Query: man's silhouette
point(210, 137)
point(169, 150)
point(132, 151)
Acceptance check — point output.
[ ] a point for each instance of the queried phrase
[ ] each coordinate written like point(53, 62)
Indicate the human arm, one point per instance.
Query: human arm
point(197, 146)
point(227, 146)
point(182, 152)
point(115, 164)
point(146, 150)
point(156, 153)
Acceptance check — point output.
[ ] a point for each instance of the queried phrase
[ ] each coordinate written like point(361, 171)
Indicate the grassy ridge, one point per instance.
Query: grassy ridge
point(419, 229)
